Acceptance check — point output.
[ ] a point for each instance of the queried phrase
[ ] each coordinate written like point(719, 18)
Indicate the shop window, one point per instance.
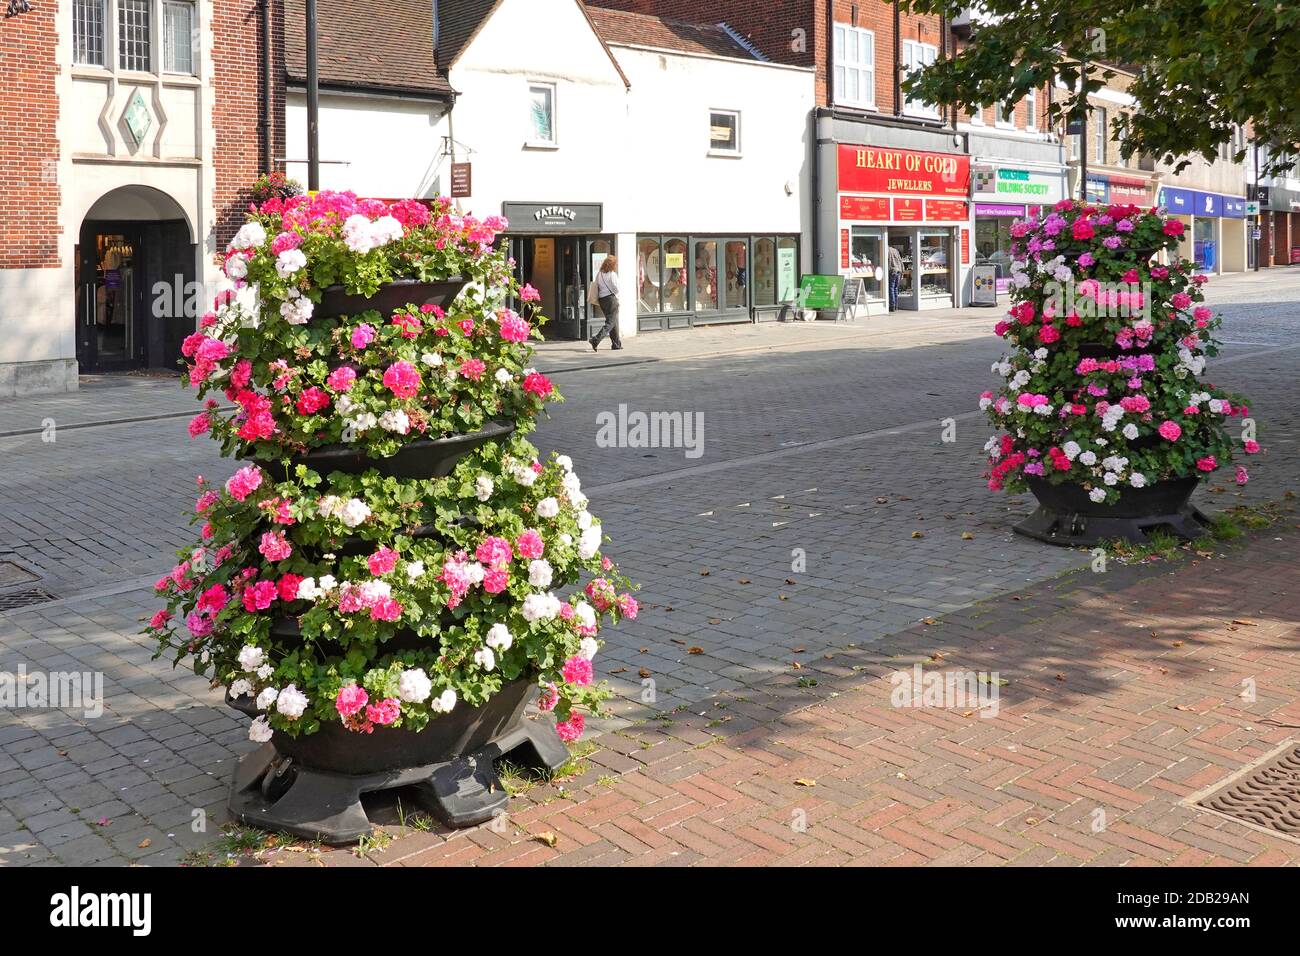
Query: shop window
point(736, 263)
point(676, 276)
point(867, 259)
point(855, 67)
point(178, 36)
point(787, 269)
point(88, 32)
point(133, 35)
point(993, 244)
point(934, 274)
point(724, 133)
point(706, 275)
point(764, 272)
point(541, 115)
point(649, 275)
point(917, 56)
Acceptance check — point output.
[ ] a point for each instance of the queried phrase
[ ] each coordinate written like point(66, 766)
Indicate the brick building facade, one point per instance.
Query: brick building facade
point(131, 130)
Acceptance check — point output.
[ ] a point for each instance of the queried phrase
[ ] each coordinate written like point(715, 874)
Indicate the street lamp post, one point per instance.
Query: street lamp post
point(313, 101)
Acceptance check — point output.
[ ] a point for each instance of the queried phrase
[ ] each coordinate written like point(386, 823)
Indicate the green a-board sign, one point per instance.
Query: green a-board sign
point(821, 292)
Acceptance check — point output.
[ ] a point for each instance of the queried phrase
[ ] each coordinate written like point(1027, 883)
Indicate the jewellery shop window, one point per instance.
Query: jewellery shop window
point(935, 254)
point(867, 259)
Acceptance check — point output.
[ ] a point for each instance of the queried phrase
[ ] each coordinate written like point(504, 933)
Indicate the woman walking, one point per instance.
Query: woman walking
point(607, 296)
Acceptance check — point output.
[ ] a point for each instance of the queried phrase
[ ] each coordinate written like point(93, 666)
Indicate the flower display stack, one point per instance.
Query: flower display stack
point(1102, 411)
point(392, 575)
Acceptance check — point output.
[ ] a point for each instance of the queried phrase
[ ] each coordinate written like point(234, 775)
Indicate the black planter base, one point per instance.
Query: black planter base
point(272, 791)
point(1073, 530)
point(1067, 518)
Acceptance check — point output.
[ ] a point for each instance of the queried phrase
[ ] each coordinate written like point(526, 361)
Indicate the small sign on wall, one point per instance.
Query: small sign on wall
point(965, 247)
point(462, 180)
point(844, 248)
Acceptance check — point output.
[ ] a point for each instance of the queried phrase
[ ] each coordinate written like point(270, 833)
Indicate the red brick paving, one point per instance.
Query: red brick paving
point(1121, 702)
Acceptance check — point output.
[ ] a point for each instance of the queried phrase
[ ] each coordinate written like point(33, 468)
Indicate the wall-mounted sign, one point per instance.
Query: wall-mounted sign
point(844, 249)
point(137, 119)
point(1015, 183)
point(1098, 188)
point(946, 210)
point(462, 180)
point(1134, 191)
point(554, 217)
point(907, 210)
point(787, 269)
point(965, 247)
point(1191, 202)
point(1252, 208)
point(874, 169)
point(1002, 210)
point(864, 208)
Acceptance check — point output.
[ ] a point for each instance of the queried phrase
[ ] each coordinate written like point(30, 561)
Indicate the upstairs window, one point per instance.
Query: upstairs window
point(541, 114)
point(178, 36)
point(1031, 110)
point(1100, 134)
point(133, 35)
point(88, 32)
point(917, 56)
point(855, 67)
point(724, 132)
point(1006, 117)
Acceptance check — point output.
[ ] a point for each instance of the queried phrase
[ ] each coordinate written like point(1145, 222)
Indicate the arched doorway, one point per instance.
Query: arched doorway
point(135, 267)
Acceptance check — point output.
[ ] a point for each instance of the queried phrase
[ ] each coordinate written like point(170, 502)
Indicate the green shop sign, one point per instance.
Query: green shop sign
point(1016, 182)
point(821, 292)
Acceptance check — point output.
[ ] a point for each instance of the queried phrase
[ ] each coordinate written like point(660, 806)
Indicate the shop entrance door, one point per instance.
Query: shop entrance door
point(135, 294)
point(560, 268)
point(902, 240)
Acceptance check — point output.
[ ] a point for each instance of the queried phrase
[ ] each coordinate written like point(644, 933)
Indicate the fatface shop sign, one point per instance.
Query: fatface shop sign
point(873, 169)
point(553, 217)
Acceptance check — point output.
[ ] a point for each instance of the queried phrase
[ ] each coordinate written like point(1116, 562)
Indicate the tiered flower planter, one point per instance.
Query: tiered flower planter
point(375, 586)
point(1102, 415)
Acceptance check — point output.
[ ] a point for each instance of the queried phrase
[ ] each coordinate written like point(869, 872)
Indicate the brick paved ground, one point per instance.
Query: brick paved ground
point(806, 427)
point(1122, 699)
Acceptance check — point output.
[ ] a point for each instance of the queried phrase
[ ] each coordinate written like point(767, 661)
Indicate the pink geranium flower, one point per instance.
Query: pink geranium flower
point(578, 670)
point(1170, 430)
point(351, 698)
point(382, 561)
point(571, 729)
point(529, 544)
point(402, 379)
point(274, 546)
point(473, 369)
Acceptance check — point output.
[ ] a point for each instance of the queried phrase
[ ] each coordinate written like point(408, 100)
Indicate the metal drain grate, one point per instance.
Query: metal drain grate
point(1268, 796)
point(27, 598)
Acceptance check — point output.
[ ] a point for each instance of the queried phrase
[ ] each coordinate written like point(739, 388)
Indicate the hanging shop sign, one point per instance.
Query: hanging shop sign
point(864, 208)
point(462, 180)
point(874, 169)
point(554, 217)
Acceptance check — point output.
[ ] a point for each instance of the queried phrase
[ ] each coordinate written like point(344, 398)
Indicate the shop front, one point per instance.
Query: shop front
point(686, 280)
point(557, 249)
point(1216, 235)
point(1279, 225)
point(915, 202)
point(1003, 194)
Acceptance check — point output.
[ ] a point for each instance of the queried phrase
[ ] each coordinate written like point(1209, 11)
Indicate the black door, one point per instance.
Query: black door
point(136, 297)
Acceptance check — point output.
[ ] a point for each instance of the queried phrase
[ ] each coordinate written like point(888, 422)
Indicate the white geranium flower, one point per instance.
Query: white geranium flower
point(1110, 478)
point(540, 607)
point(548, 508)
point(414, 686)
point(540, 573)
point(502, 376)
point(237, 267)
point(266, 698)
point(357, 234)
point(1088, 458)
point(251, 658)
point(395, 420)
point(584, 614)
point(260, 730)
point(241, 688)
point(588, 647)
point(1137, 480)
point(292, 702)
point(297, 311)
point(571, 484)
point(415, 570)
point(525, 475)
point(1071, 450)
point(589, 543)
point(566, 539)
point(250, 234)
point(308, 589)
point(265, 671)
point(431, 359)
point(444, 702)
point(289, 262)
point(354, 512)
point(499, 637)
point(485, 658)
point(1130, 431)
point(483, 487)
point(1097, 494)
point(385, 229)
point(584, 520)
point(1040, 353)
point(565, 462)
point(327, 582)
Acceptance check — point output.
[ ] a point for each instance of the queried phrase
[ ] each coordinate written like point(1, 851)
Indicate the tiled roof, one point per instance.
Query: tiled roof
point(376, 46)
point(458, 22)
point(640, 29)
